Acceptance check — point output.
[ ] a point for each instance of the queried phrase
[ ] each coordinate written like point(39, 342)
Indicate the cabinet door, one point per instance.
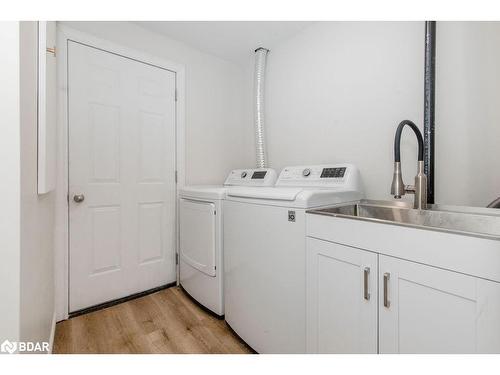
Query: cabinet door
point(341, 298)
point(424, 309)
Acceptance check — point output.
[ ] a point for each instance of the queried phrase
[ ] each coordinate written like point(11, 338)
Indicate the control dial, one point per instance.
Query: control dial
point(243, 174)
point(306, 172)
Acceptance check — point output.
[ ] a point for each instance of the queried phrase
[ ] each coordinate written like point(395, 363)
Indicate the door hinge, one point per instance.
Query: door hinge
point(51, 50)
point(176, 258)
point(175, 177)
point(175, 94)
point(67, 198)
point(215, 212)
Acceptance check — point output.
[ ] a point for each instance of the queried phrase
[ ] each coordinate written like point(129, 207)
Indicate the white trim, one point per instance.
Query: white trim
point(46, 106)
point(65, 33)
point(52, 332)
point(42, 187)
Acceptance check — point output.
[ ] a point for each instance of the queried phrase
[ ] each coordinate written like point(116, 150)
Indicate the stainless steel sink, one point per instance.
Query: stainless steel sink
point(482, 222)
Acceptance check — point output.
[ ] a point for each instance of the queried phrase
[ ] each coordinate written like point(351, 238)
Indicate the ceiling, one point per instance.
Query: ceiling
point(229, 40)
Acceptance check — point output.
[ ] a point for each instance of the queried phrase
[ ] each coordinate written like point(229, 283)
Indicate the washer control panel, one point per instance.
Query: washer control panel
point(333, 172)
point(251, 177)
point(318, 175)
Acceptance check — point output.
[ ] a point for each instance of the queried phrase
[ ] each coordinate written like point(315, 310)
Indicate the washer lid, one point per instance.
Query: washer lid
point(272, 193)
point(293, 197)
point(203, 191)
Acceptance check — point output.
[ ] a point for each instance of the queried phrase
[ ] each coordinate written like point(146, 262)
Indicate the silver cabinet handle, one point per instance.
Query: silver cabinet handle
point(79, 198)
point(366, 274)
point(387, 277)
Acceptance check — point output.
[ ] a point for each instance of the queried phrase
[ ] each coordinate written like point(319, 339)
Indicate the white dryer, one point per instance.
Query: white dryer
point(264, 252)
point(200, 235)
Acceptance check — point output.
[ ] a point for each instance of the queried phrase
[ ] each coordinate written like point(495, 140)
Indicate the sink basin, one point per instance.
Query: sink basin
point(482, 222)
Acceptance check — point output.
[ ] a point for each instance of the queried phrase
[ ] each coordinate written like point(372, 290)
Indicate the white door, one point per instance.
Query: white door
point(122, 163)
point(425, 309)
point(341, 298)
point(197, 234)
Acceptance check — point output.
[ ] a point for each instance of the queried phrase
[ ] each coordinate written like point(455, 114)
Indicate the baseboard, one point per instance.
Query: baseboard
point(52, 332)
point(119, 300)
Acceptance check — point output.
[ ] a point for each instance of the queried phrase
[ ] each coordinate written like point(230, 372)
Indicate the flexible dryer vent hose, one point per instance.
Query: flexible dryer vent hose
point(259, 88)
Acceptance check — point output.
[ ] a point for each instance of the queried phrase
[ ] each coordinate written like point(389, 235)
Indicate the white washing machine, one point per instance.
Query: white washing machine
point(264, 252)
point(200, 235)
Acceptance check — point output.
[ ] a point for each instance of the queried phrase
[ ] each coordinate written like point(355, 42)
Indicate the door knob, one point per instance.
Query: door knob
point(79, 198)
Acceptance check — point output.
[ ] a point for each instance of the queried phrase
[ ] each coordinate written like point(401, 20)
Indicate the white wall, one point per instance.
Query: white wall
point(214, 141)
point(10, 182)
point(337, 90)
point(468, 112)
point(37, 212)
point(27, 225)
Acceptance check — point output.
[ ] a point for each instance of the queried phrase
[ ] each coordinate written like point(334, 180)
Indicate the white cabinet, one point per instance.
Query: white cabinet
point(424, 309)
point(412, 308)
point(341, 298)
point(442, 289)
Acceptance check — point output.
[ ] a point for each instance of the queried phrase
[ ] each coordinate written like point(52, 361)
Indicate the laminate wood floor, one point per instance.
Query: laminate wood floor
point(167, 321)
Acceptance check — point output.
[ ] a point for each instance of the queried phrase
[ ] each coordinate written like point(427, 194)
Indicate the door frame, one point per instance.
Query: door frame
point(61, 234)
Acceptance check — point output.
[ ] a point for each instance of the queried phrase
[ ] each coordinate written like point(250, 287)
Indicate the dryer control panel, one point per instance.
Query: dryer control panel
point(251, 177)
point(334, 175)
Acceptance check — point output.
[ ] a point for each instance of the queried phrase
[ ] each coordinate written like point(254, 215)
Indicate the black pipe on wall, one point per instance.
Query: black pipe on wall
point(429, 101)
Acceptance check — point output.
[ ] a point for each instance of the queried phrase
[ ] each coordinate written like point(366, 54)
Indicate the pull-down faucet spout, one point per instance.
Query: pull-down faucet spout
point(398, 188)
